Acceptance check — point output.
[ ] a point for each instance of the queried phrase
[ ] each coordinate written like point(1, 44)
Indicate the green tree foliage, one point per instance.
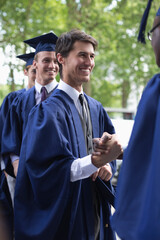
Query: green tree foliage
point(123, 66)
point(4, 90)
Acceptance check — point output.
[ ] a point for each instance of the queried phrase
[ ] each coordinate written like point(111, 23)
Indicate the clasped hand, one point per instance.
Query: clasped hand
point(106, 149)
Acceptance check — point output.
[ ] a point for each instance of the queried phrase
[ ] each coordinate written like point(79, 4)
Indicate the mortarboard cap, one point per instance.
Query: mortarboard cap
point(45, 42)
point(28, 58)
point(141, 35)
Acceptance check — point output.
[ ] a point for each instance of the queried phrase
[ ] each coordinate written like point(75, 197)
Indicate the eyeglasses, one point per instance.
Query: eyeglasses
point(151, 31)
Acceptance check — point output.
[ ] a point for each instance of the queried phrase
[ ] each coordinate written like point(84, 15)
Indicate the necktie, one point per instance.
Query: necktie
point(86, 123)
point(43, 94)
point(81, 99)
point(88, 139)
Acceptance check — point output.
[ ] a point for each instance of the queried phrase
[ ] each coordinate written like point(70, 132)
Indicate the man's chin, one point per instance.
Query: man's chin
point(51, 78)
point(86, 79)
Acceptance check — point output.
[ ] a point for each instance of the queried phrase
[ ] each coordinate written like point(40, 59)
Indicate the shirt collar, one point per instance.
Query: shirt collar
point(49, 86)
point(72, 92)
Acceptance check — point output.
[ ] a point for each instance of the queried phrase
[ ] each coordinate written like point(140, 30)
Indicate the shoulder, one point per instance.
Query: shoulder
point(96, 106)
point(28, 92)
point(59, 100)
point(56, 107)
point(47, 108)
point(153, 86)
point(93, 102)
point(24, 97)
point(154, 80)
point(11, 96)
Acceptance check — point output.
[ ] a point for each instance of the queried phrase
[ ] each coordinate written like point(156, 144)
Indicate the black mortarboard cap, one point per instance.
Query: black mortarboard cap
point(27, 57)
point(45, 42)
point(141, 35)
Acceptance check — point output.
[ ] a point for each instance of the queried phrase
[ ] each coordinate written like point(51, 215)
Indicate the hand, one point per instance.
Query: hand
point(106, 149)
point(105, 173)
point(15, 166)
point(99, 142)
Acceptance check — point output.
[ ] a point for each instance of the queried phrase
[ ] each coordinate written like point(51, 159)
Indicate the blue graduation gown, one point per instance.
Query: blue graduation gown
point(137, 215)
point(8, 100)
point(47, 204)
point(5, 198)
point(14, 126)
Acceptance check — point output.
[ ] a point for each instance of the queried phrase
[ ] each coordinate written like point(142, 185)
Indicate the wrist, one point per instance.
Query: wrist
point(95, 162)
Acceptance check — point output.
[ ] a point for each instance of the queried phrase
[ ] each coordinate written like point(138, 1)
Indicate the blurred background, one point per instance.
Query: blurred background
point(123, 66)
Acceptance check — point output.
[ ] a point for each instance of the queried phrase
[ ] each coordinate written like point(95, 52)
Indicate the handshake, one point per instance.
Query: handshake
point(106, 149)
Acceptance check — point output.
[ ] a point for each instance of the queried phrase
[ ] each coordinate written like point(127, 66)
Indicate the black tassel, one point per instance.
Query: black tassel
point(141, 35)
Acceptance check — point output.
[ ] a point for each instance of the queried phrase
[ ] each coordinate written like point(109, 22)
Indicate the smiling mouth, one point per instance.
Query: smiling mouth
point(51, 72)
point(85, 72)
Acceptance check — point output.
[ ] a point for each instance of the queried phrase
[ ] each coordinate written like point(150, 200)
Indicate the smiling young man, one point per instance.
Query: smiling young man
point(47, 68)
point(58, 197)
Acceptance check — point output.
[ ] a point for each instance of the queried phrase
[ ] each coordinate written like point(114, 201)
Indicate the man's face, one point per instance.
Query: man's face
point(156, 40)
point(31, 73)
point(46, 67)
point(79, 64)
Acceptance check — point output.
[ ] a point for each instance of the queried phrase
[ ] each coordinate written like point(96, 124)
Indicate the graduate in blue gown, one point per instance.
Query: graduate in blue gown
point(29, 71)
point(47, 69)
point(137, 215)
point(5, 194)
point(54, 187)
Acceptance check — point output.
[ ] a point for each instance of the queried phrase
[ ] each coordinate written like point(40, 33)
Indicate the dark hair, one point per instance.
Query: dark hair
point(66, 41)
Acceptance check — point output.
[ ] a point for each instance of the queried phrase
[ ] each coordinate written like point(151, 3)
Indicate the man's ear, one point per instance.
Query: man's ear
point(25, 72)
point(34, 64)
point(60, 58)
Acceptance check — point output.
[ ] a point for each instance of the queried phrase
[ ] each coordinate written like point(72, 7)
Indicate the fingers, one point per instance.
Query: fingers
point(95, 175)
point(105, 137)
point(96, 153)
point(101, 143)
point(106, 152)
point(98, 145)
point(105, 173)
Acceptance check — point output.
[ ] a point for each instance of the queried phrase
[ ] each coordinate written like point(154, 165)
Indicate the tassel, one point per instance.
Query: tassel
point(141, 35)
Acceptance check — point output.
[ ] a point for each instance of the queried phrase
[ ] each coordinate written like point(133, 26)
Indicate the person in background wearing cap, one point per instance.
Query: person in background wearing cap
point(7, 183)
point(137, 215)
point(29, 69)
point(55, 195)
point(47, 69)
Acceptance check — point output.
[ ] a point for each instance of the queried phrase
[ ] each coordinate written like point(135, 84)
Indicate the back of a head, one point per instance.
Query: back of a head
point(66, 41)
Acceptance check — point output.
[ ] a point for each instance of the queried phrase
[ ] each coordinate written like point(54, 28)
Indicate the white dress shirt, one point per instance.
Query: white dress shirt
point(49, 87)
